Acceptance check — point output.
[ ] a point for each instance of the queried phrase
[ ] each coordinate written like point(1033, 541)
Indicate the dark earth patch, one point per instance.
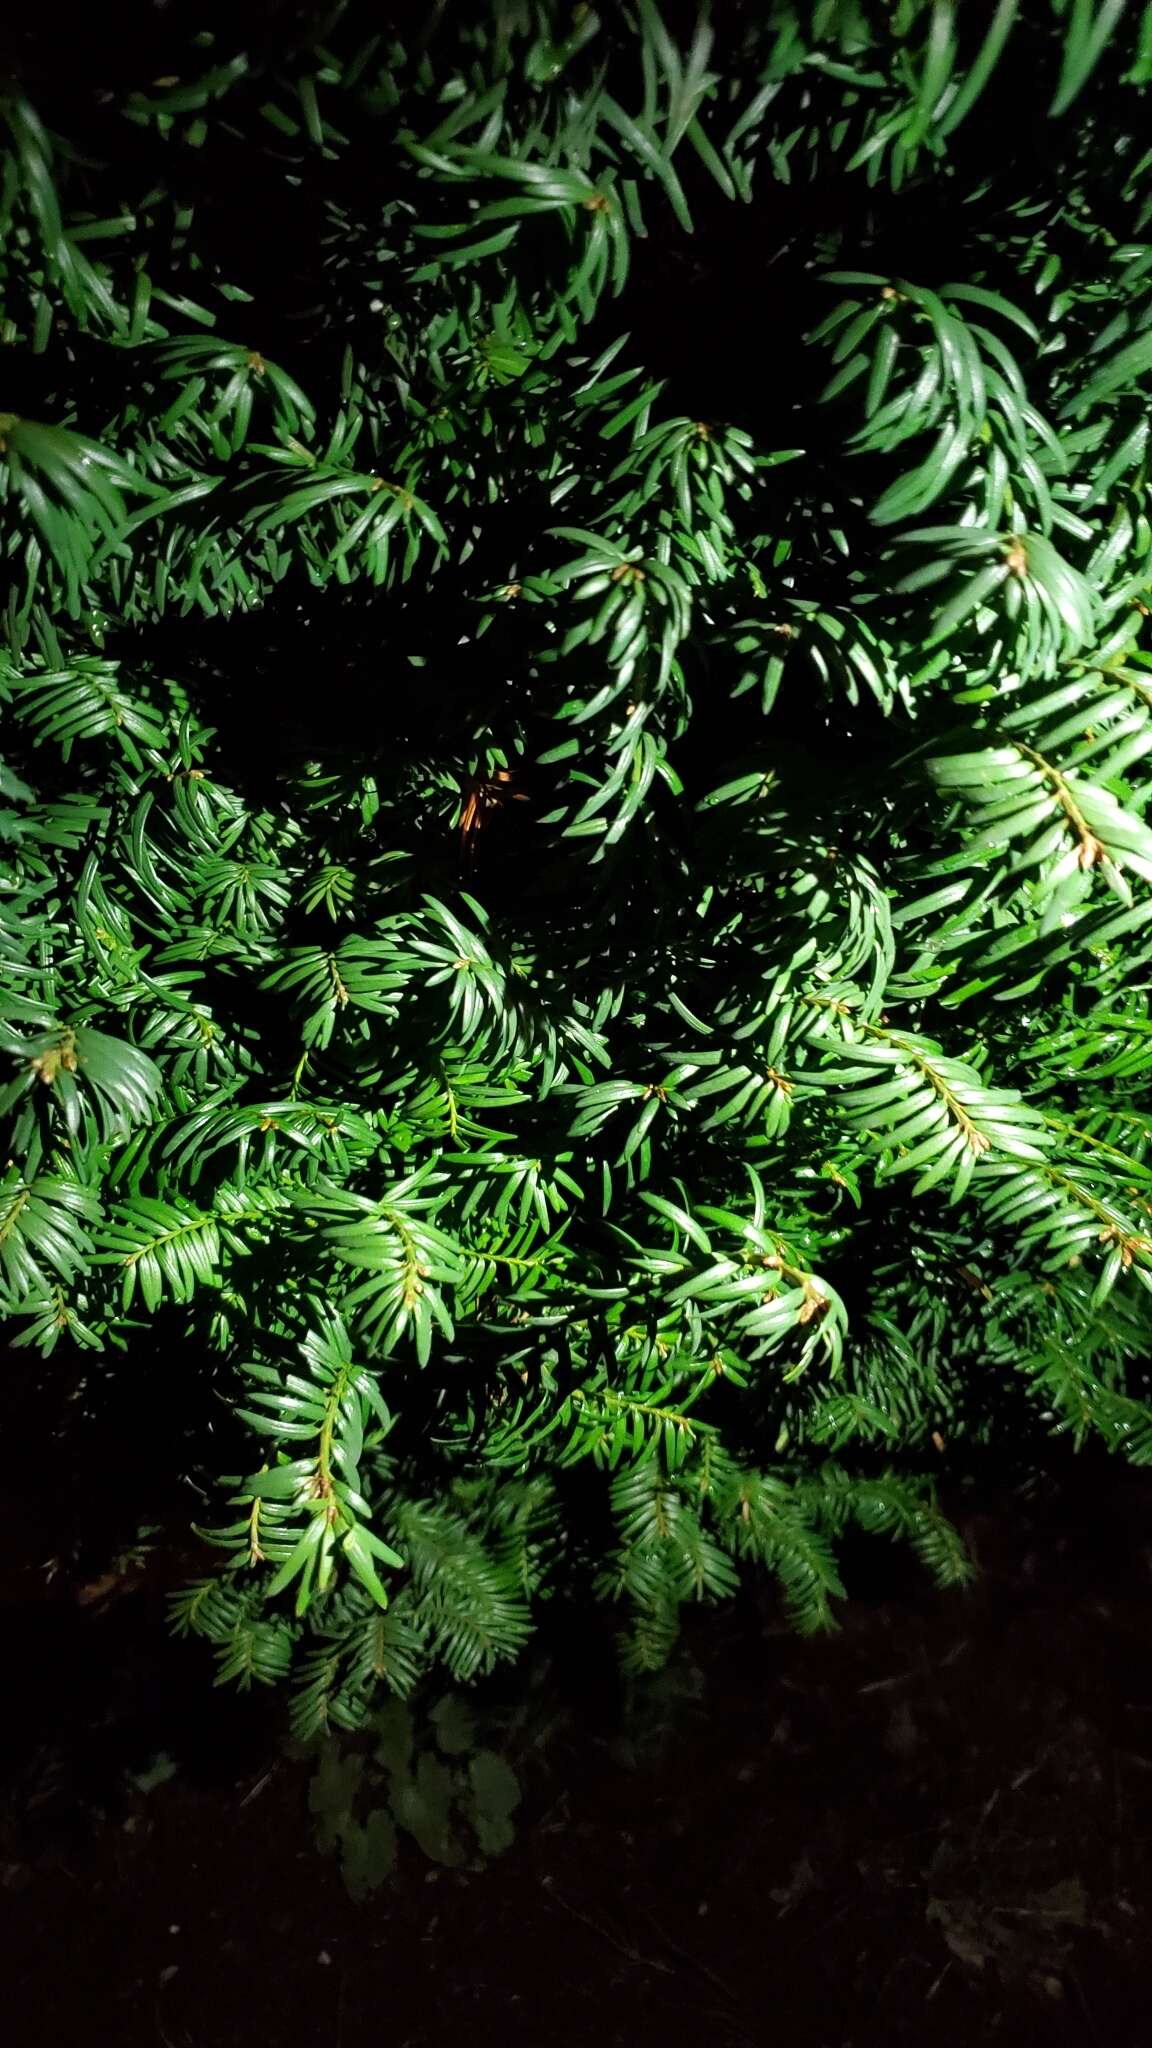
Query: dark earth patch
point(933, 1826)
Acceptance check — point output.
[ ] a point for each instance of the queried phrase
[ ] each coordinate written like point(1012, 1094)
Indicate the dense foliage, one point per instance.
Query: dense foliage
point(576, 897)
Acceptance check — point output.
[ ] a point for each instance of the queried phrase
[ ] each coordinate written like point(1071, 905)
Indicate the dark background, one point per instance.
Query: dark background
point(931, 1826)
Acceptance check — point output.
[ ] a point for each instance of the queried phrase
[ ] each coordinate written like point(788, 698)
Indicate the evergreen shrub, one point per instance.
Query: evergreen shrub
point(575, 913)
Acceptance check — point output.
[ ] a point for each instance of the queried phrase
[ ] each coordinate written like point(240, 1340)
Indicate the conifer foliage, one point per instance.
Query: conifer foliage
point(576, 736)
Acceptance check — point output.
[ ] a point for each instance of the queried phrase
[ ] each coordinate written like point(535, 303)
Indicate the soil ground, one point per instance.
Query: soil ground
point(933, 1826)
